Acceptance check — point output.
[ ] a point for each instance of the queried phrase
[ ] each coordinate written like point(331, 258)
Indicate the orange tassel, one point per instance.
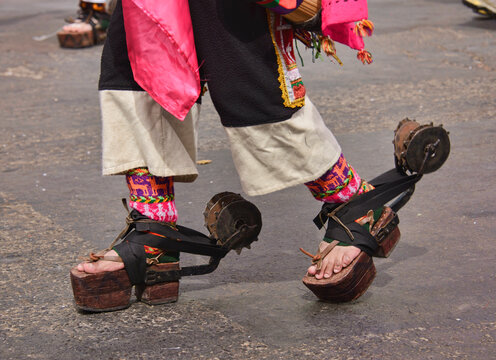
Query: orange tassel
point(327, 46)
point(364, 28)
point(365, 57)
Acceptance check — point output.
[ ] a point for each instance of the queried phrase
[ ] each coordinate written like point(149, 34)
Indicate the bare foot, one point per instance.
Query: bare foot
point(101, 265)
point(339, 258)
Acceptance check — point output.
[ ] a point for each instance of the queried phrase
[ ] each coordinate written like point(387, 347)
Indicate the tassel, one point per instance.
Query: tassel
point(304, 36)
point(364, 28)
point(327, 46)
point(365, 57)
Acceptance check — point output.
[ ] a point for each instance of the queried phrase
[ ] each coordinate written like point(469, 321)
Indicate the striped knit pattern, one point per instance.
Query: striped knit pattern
point(152, 196)
point(139, 172)
point(333, 180)
point(338, 184)
point(148, 189)
point(151, 199)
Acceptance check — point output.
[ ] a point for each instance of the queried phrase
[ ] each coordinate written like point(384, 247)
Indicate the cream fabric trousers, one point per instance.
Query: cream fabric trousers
point(137, 132)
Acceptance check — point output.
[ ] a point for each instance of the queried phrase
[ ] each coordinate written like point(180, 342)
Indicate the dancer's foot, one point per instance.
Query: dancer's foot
point(101, 265)
point(339, 258)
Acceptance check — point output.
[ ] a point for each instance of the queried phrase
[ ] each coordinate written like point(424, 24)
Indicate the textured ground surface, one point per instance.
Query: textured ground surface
point(432, 299)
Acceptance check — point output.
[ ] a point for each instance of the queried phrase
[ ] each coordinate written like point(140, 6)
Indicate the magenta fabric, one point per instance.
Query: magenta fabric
point(162, 52)
point(338, 21)
point(339, 11)
point(344, 34)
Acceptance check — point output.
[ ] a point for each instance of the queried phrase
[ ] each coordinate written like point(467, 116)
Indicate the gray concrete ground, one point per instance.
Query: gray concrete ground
point(433, 298)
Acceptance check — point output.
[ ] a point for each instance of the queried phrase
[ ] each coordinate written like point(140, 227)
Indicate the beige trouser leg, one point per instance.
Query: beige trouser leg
point(137, 132)
point(275, 156)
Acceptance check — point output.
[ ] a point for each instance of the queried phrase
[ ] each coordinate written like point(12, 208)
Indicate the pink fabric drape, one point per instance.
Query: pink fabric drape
point(338, 21)
point(162, 52)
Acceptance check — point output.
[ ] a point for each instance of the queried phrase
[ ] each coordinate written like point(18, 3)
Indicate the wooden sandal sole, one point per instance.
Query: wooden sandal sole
point(347, 285)
point(107, 291)
point(352, 282)
point(110, 291)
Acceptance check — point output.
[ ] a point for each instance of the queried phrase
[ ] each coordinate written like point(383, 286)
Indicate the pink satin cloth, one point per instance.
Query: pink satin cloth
point(162, 53)
point(338, 21)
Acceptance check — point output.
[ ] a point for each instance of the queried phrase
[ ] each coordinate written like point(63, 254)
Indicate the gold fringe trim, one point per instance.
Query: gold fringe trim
point(280, 69)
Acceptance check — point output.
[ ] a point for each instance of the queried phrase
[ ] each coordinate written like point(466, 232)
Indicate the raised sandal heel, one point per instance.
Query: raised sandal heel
point(159, 293)
point(386, 233)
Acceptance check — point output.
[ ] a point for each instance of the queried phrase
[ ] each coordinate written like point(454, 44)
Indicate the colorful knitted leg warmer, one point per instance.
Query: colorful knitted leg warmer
point(338, 185)
point(153, 196)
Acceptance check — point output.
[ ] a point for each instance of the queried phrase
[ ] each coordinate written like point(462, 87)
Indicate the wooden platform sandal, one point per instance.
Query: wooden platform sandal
point(352, 281)
point(112, 290)
point(419, 149)
point(233, 223)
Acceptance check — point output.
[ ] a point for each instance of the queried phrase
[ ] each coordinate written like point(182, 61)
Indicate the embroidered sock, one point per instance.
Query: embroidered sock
point(338, 185)
point(153, 196)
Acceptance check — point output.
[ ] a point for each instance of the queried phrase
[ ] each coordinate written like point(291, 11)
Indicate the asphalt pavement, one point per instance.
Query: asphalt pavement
point(434, 298)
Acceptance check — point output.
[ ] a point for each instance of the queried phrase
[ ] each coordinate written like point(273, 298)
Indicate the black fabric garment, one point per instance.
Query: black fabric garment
point(115, 69)
point(237, 59)
point(236, 56)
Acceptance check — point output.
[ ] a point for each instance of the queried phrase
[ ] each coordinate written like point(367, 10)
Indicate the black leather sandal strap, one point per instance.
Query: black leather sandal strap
point(178, 242)
point(134, 258)
point(340, 218)
point(140, 232)
point(361, 238)
point(388, 186)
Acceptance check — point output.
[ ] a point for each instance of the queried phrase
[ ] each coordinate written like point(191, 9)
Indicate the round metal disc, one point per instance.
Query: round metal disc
point(217, 197)
point(214, 206)
point(416, 149)
point(233, 216)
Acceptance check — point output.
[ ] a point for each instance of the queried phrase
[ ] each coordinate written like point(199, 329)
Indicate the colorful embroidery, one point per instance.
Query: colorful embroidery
point(291, 84)
point(139, 172)
point(153, 196)
point(164, 212)
point(335, 179)
point(338, 184)
point(151, 199)
point(150, 187)
point(152, 251)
